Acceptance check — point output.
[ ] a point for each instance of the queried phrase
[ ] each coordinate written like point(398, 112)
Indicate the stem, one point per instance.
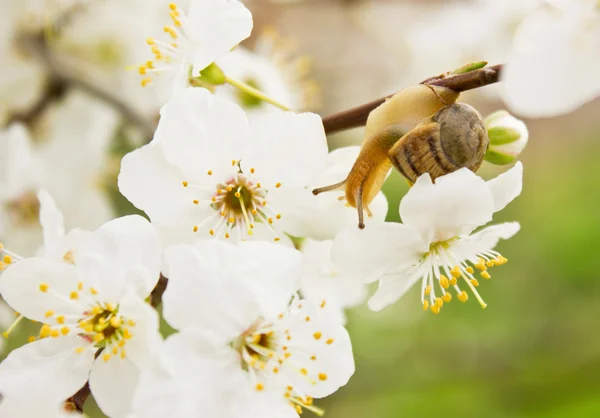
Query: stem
point(357, 116)
point(254, 92)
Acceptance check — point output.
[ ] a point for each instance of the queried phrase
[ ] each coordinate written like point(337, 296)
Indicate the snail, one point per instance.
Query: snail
point(421, 129)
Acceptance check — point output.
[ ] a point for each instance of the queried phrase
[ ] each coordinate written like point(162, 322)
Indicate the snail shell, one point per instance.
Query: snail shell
point(453, 138)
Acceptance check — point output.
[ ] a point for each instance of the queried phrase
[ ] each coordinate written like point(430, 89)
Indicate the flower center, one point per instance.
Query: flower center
point(24, 210)
point(239, 204)
point(167, 54)
point(266, 352)
point(446, 269)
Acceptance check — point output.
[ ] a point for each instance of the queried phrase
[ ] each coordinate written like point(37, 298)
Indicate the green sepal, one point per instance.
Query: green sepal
point(497, 158)
point(500, 135)
point(470, 67)
point(212, 75)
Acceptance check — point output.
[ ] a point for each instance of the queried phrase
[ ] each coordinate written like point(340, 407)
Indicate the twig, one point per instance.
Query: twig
point(37, 46)
point(157, 293)
point(53, 90)
point(462, 82)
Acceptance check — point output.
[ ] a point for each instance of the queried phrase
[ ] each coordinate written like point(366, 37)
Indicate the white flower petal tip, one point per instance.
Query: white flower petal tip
point(507, 186)
point(196, 38)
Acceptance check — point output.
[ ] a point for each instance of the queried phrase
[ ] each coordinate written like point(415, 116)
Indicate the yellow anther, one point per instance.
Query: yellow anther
point(121, 344)
point(88, 328)
point(462, 296)
point(278, 185)
point(146, 81)
point(93, 291)
point(211, 232)
point(74, 295)
point(453, 281)
point(313, 358)
point(435, 309)
point(474, 282)
point(329, 341)
point(142, 70)
point(44, 287)
point(233, 162)
point(275, 370)
point(317, 335)
point(7, 259)
point(80, 286)
point(427, 290)
point(64, 330)
point(79, 350)
point(323, 303)
point(115, 350)
point(149, 65)
point(455, 272)
point(172, 6)
point(270, 220)
point(209, 172)
point(123, 354)
point(304, 371)
point(106, 356)
point(49, 313)
point(258, 186)
point(287, 355)
point(481, 265)
point(470, 270)
point(54, 333)
point(115, 322)
point(425, 305)
point(31, 338)
point(185, 183)
point(195, 228)
point(485, 275)
point(322, 376)
point(110, 307)
point(131, 322)
point(276, 239)
point(126, 334)
point(439, 302)
point(447, 297)
point(213, 199)
point(45, 331)
point(252, 170)
point(444, 282)
point(98, 337)
point(307, 319)
point(150, 41)
point(60, 319)
point(238, 194)
point(231, 220)
point(229, 188)
point(490, 263)
point(196, 201)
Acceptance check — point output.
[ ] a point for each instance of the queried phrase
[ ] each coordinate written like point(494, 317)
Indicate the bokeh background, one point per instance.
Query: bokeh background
point(535, 351)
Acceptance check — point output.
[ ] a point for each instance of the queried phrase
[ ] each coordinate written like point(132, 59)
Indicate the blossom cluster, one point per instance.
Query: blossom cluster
point(251, 270)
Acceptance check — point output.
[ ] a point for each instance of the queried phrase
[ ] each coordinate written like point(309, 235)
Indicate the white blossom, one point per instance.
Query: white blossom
point(323, 280)
point(208, 172)
point(206, 33)
point(508, 137)
point(435, 244)
point(90, 299)
point(243, 349)
point(555, 63)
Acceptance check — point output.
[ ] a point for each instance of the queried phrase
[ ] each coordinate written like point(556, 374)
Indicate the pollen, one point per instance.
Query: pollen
point(44, 287)
point(304, 371)
point(60, 319)
point(106, 356)
point(456, 273)
point(444, 282)
point(425, 305)
point(486, 275)
point(54, 333)
point(7, 259)
point(322, 376)
point(317, 335)
point(74, 295)
point(195, 229)
point(278, 185)
point(323, 303)
point(64, 330)
point(427, 290)
point(49, 313)
point(79, 350)
point(307, 319)
point(474, 282)
point(185, 183)
point(329, 341)
point(463, 296)
point(447, 297)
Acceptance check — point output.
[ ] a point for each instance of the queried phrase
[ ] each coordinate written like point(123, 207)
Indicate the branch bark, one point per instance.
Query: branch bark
point(357, 116)
point(37, 46)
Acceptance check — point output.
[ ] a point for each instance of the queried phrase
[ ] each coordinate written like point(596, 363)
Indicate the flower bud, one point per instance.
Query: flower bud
point(508, 137)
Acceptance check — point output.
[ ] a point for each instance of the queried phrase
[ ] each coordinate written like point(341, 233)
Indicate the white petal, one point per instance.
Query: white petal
point(113, 384)
point(23, 407)
point(288, 148)
point(19, 165)
point(51, 219)
point(49, 368)
point(20, 287)
point(121, 254)
point(373, 252)
point(507, 186)
point(201, 295)
point(199, 132)
point(216, 26)
point(393, 287)
point(154, 186)
point(455, 205)
point(334, 363)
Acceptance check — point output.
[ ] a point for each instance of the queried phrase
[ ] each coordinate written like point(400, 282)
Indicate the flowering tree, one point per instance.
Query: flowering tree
point(252, 237)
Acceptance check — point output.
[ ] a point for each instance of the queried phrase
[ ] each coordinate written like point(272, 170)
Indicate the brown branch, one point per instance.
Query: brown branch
point(461, 82)
point(157, 293)
point(37, 46)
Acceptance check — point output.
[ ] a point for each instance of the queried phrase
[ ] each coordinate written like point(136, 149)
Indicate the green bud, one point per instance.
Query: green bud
point(508, 137)
point(470, 67)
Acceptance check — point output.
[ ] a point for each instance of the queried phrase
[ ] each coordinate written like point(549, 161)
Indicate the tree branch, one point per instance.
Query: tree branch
point(37, 46)
point(461, 82)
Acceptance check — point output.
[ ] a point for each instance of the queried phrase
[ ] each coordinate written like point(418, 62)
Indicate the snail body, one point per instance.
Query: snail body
point(420, 129)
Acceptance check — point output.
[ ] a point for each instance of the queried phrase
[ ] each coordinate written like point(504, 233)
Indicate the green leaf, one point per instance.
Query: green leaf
point(500, 135)
point(497, 158)
point(470, 67)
